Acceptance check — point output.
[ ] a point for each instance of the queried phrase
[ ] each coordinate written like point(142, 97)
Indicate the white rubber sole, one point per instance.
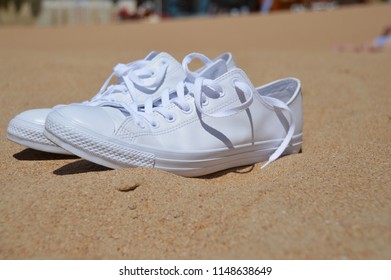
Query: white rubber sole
point(31, 135)
point(116, 153)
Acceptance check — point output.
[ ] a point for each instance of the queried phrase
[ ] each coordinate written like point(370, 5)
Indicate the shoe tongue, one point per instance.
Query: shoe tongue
point(214, 70)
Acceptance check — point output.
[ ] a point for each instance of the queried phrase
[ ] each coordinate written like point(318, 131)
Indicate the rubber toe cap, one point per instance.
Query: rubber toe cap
point(92, 118)
point(35, 117)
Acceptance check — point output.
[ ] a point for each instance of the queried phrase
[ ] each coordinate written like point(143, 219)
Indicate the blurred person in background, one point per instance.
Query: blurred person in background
point(266, 6)
point(380, 43)
point(235, 7)
point(177, 8)
point(144, 8)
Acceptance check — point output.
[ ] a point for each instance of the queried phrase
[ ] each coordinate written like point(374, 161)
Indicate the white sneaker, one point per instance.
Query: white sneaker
point(137, 81)
point(209, 123)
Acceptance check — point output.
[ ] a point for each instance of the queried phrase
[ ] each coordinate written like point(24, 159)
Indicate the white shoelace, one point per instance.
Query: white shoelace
point(191, 76)
point(131, 76)
point(212, 92)
point(201, 89)
point(281, 106)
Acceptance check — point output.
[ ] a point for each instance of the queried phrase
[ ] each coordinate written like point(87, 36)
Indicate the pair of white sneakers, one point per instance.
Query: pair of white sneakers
point(162, 115)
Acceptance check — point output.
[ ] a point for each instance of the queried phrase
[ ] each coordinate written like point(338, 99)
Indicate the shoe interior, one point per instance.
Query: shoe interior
point(284, 90)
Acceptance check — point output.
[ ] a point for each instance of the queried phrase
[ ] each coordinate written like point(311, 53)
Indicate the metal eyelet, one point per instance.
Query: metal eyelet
point(171, 118)
point(234, 81)
point(155, 124)
point(188, 111)
point(140, 125)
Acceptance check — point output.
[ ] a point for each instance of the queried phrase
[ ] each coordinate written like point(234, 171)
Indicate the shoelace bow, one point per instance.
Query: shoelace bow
point(201, 89)
point(131, 76)
point(198, 87)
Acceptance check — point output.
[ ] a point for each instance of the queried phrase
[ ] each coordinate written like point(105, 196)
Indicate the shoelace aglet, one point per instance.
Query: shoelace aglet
point(266, 164)
point(272, 158)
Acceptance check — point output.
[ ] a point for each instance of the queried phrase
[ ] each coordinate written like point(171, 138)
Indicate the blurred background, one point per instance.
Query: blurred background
point(71, 12)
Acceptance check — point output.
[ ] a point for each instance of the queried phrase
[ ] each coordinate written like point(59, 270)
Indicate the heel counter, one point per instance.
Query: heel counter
point(297, 109)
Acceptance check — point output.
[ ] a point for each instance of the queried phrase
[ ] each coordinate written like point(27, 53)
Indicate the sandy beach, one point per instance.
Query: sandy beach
point(332, 201)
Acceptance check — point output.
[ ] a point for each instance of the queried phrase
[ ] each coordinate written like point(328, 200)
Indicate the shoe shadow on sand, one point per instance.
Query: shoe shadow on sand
point(30, 154)
point(238, 170)
point(85, 166)
point(78, 167)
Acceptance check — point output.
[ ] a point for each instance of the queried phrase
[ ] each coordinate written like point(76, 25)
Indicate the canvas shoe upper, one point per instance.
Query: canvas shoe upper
point(211, 122)
point(137, 81)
